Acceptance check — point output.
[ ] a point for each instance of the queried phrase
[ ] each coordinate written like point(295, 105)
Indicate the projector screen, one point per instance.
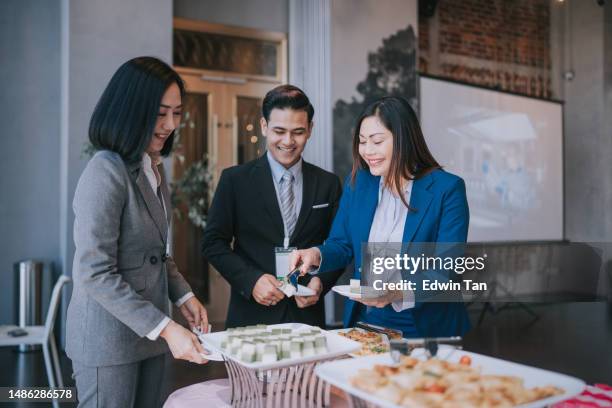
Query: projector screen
point(508, 149)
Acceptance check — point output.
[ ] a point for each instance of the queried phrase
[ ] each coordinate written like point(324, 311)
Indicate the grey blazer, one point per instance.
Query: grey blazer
point(122, 275)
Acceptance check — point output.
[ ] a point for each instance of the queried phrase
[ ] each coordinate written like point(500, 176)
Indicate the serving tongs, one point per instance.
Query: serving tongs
point(290, 281)
point(292, 277)
point(403, 347)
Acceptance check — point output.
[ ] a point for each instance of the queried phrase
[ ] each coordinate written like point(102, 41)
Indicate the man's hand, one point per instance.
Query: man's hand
point(266, 292)
point(195, 313)
point(183, 344)
point(308, 258)
point(305, 301)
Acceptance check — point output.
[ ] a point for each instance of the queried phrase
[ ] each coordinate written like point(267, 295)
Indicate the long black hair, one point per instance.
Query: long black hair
point(411, 157)
point(125, 117)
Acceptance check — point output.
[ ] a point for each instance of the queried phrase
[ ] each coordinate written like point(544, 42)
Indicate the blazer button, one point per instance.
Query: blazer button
point(153, 260)
point(164, 257)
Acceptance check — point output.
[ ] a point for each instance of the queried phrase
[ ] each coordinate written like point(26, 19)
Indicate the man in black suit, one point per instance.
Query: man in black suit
point(276, 201)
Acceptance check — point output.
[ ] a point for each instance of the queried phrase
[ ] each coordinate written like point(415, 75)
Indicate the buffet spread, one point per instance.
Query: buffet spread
point(371, 342)
point(295, 364)
point(439, 383)
point(263, 344)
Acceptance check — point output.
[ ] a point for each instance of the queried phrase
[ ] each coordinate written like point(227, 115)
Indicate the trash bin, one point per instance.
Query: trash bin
point(28, 288)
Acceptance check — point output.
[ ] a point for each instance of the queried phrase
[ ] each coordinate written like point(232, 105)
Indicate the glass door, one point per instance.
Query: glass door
point(245, 108)
point(222, 121)
point(198, 133)
point(227, 71)
point(190, 147)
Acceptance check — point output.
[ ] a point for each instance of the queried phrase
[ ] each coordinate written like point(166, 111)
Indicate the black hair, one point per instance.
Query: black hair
point(286, 96)
point(125, 116)
point(411, 157)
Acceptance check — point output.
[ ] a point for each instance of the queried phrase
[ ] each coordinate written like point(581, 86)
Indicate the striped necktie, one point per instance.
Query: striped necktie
point(287, 202)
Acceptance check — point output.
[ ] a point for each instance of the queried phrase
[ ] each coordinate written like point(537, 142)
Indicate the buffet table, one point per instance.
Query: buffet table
point(268, 366)
point(264, 372)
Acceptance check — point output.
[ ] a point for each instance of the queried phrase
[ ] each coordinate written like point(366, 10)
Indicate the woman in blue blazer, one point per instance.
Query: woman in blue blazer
point(396, 192)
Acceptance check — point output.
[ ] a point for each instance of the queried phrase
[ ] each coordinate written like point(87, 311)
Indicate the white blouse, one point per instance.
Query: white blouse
point(149, 167)
point(388, 227)
point(390, 216)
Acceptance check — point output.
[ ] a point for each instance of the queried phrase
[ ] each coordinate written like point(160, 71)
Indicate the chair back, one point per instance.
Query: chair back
point(54, 303)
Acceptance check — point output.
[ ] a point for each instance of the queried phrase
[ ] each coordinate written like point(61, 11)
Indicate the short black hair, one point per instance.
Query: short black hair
point(286, 96)
point(125, 116)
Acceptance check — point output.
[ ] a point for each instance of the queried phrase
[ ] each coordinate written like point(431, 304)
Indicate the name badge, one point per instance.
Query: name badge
point(281, 256)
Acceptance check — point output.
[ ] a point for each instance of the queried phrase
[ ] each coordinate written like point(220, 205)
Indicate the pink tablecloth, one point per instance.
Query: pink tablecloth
point(216, 393)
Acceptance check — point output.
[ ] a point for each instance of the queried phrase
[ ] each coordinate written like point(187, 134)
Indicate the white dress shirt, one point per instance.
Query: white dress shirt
point(155, 181)
point(388, 227)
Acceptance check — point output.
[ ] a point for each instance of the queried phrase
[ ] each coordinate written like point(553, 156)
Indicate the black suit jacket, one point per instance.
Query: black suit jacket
point(245, 224)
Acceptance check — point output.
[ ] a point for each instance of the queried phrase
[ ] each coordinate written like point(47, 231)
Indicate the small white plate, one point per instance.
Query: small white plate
point(345, 290)
point(304, 291)
point(214, 355)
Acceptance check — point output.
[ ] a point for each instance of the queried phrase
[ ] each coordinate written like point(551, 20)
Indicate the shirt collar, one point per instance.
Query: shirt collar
point(383, 189)
point(147, 159)
point(407, 187)
point(278, 169)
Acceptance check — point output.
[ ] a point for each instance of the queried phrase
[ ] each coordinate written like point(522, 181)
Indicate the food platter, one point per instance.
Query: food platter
point(371, 343)
point(335, 345)
point(342, 374)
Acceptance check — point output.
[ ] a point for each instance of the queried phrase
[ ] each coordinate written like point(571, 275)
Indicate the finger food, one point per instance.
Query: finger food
point(437, 383)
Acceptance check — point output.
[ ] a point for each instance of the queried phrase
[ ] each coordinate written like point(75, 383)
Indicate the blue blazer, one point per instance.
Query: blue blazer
point(441, 215)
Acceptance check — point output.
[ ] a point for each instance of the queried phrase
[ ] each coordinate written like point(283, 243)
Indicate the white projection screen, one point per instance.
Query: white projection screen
point(509, 151)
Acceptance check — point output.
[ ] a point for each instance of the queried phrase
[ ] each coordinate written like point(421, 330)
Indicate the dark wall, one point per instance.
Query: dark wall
point(30, 106)
point(500, 44)
point(51, 49)
point(526, 47)
point(495, 43)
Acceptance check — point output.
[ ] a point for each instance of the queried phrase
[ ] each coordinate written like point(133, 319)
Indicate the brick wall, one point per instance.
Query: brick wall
point(503, 44)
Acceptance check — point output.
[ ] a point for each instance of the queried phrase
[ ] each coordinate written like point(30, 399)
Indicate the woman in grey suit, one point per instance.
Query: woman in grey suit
point(123, 275)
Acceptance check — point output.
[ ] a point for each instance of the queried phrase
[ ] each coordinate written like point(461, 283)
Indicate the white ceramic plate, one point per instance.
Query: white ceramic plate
point(345, 290)
point(336, 346)
point(339, 372)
